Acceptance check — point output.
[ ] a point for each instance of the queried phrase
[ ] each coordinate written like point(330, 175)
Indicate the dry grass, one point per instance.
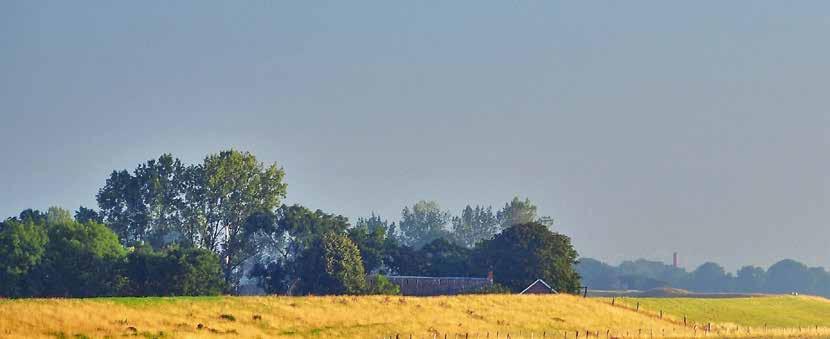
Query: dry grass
point(338, 317)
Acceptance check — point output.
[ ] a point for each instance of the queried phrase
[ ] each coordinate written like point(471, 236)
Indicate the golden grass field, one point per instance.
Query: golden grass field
point(475, 316)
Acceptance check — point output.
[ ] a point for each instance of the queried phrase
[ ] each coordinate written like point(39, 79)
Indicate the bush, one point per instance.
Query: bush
point(380, 285)
point(173, 271)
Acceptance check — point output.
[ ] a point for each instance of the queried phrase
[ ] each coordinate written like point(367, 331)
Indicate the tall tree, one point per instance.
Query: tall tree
point(523, 253)
point(425, 222)
point(375, 245)
point(302, 226)
point(474, 225)
point(223, 192)
point(222, 205)
point(332, 265)
point(521, 212)
point(144, 206)
point(297, 229)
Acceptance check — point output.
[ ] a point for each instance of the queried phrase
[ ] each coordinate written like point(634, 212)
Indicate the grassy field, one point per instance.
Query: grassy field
point(381, 317)
point(771, 311)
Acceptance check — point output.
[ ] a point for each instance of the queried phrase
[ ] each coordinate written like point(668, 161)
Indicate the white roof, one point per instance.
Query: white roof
point(536, 282)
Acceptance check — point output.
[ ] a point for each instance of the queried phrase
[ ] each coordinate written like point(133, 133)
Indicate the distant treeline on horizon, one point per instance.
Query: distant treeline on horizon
point(784, 277)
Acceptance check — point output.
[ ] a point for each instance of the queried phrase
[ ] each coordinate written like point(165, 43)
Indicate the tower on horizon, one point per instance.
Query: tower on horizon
point(674, 260)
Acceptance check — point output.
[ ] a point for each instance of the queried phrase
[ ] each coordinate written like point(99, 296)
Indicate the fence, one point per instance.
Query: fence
point(680, 328)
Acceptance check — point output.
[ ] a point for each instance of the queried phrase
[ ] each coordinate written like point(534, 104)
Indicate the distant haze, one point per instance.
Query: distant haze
point(644, 128)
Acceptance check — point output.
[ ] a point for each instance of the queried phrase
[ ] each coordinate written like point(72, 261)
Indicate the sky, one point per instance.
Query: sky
point(644, 128)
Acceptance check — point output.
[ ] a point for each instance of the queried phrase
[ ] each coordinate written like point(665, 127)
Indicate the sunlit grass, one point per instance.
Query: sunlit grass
point(378, 317)
point(771, 311)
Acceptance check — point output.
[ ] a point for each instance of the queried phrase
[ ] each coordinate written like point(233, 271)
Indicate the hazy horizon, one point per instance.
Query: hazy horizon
point(643, 128)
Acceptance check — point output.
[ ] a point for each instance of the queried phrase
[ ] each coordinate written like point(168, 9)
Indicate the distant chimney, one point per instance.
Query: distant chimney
point(674, 260)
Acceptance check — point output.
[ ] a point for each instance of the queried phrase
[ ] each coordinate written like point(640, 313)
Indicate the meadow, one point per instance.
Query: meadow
point(474, 316)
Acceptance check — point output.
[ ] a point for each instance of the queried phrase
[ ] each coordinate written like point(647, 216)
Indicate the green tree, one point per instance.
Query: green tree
point(57, 215)
point(521, 212)
point(80, 260)
point(145, 206)
point(84, 214)
point(302, 227)
point(225, 191)
point(22, 245)
point(444, 258)
point(173, 271)
point(217, 205)
point(331, 266)
point(425, 222)
point(474, 225)
point(523, 253)
point(297, 230)
point(371, 237)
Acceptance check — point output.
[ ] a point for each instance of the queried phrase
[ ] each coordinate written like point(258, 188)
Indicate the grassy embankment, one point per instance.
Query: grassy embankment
point(376, 317)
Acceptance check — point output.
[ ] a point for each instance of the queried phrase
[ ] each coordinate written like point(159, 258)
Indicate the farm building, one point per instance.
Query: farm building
point(429, 286)
point(539, 287)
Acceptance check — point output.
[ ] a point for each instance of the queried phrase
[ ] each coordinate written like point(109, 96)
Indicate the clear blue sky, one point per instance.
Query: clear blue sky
point(644, 128)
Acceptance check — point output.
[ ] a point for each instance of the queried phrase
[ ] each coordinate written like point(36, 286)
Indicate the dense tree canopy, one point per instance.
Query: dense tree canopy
point(53, 255)
point(372, 238)
point(474, 225)
point(81, 259)
point(518, 212)
point(170, 228)
point(208, 205)
point(423, 223)
point(523, 253)
point(332, 265)
point(173, 271)
point(22, 245)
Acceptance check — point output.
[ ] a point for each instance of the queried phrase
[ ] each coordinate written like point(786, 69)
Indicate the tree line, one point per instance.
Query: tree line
point(785, 276)
point(169, 228)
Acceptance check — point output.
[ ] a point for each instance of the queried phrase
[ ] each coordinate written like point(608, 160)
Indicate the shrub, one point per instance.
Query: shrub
point(173, 271)
point(381, 285)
